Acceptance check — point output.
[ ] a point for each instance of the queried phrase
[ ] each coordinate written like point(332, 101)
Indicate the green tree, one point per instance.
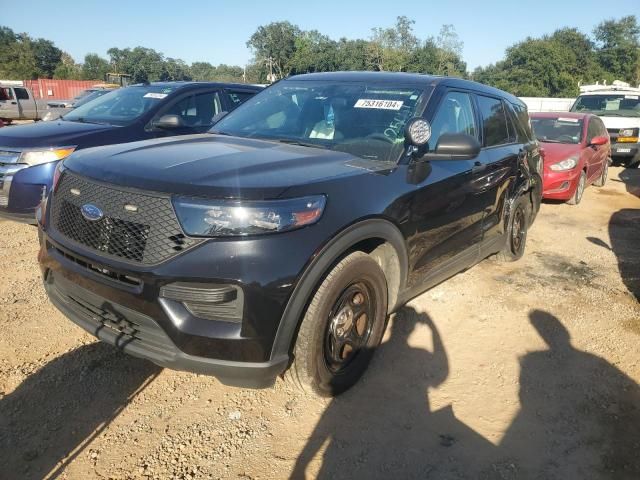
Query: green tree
point(275, 43)
point(47, 56)
point(351, 54)
point(618, 48)
point(202, 71)
point(67, 69)
point(391, 48)
point(449, 52)
point(95, 67)
point(314, 52)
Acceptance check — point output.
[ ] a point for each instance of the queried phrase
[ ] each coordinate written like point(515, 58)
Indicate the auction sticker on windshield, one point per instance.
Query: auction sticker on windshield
point(381, 104)
point(155, 95)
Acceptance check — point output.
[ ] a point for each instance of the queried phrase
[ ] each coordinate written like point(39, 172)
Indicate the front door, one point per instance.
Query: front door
point(444, 224)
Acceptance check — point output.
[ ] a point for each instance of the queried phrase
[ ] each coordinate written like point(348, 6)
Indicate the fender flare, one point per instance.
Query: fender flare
point(319, 267)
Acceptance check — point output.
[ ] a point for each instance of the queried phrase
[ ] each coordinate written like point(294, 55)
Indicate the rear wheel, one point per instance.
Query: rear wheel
point(516, 232)
point(602, 179)
point(582, 184)
point(341, 328)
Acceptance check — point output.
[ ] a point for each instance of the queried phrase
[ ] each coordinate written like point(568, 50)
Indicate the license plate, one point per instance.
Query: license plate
point(623, 150)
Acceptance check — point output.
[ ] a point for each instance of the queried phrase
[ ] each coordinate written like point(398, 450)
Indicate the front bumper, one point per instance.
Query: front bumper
point(137, 317)
point(560, 185)
point(141, 336)
point(627, 152)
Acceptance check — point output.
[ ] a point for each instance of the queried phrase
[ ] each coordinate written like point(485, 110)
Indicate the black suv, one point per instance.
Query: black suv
point(284, 239)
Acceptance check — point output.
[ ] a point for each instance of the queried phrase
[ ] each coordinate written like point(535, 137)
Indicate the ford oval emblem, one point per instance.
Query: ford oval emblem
point(91, 212)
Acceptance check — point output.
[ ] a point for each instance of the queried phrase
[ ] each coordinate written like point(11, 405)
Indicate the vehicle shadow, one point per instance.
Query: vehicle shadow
point(579, 418)
point(384, 426)
point(631, 179)
point(56, 412)
point(624, 232)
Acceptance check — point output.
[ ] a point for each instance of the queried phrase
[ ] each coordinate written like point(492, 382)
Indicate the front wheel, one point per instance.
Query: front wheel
point(577, 196)
point(602, 179)
point(341, 328)
point(516, 232)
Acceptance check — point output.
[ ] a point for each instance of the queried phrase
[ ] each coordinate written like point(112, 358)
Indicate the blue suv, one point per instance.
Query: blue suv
point(29, 153)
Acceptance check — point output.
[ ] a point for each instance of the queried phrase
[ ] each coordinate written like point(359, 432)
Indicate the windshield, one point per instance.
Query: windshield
point(558, 129)
point(366, 120)
point(621, 105)
point(89, 97)
point(119, 107)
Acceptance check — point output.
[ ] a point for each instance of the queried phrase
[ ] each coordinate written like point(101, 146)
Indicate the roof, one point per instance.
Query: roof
point(404, 78)
point(183, 84)
point(578, 115)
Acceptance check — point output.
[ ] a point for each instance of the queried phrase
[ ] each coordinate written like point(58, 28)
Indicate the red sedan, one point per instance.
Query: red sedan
point(576, 152)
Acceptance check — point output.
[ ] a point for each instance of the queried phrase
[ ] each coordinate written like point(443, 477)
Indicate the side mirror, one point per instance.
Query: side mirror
point(218, 116)
point(602, 140)
point(169, 122)
point(455, 146)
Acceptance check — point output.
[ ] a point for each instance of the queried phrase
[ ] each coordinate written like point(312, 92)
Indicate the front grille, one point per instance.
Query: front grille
point(148, 234)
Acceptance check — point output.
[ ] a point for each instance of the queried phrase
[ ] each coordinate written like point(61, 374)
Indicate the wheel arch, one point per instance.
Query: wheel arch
point(378, 237)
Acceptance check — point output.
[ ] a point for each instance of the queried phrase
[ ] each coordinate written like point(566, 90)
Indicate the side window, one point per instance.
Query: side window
point(196, 110)
point(239, 97)
point(602, 129)
point(21, 94)
point(6, 94)
point(494, 121)
point(593, 129)
point(523, 123)
point(455, 115)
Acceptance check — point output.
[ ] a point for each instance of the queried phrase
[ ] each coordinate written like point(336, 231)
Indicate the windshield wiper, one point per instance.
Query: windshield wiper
point(290, 141)
point(84, 120)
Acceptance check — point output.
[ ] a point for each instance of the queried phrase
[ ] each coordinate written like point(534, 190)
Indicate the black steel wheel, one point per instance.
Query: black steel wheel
point(516, 235)
point(341, 328)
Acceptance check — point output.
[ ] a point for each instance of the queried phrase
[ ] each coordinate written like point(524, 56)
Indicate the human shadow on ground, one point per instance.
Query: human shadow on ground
point(579, 415)
point(53, 414)
point(384, 427)
point(579, 418)
point(631, 179)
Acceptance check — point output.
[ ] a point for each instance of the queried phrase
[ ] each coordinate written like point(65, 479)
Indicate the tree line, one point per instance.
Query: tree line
point(551, 65)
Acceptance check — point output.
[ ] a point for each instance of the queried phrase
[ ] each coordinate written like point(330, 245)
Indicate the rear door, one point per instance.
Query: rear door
point(498, 169)
point(26, 103)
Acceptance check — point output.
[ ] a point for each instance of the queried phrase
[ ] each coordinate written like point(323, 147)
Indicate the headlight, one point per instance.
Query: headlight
point(37, 157)
point(567, 164)
point(627, 132)
point(223, 218)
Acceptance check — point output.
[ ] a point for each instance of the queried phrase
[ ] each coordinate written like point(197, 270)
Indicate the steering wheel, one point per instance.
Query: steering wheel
point(380, 136)
point(568, 138)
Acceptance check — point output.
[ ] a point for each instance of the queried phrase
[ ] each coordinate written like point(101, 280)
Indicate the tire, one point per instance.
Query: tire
point(577, 196)
point(602, 179)
point(340, 329)
point(516, 232)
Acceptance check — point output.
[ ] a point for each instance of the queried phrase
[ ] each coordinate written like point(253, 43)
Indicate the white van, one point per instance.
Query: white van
point(618, 105)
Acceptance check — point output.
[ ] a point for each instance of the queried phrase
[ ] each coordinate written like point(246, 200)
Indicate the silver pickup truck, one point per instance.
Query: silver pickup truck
point(18, 103)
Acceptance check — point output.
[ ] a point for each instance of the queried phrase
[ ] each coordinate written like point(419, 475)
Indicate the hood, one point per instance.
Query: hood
point(49, 134)
point(620, 122)
point(212, 165)
point(556, 152)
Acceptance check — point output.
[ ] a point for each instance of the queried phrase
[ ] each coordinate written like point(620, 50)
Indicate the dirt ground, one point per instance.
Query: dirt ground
point(522, 371)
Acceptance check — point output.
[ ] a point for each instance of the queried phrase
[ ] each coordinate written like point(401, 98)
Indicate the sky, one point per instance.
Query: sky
point(217, 31)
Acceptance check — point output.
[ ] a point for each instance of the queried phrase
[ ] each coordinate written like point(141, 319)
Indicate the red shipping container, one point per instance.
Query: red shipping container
point(47, 89)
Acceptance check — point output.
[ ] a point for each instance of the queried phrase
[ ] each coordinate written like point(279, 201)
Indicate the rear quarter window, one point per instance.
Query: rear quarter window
point(22, 94)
